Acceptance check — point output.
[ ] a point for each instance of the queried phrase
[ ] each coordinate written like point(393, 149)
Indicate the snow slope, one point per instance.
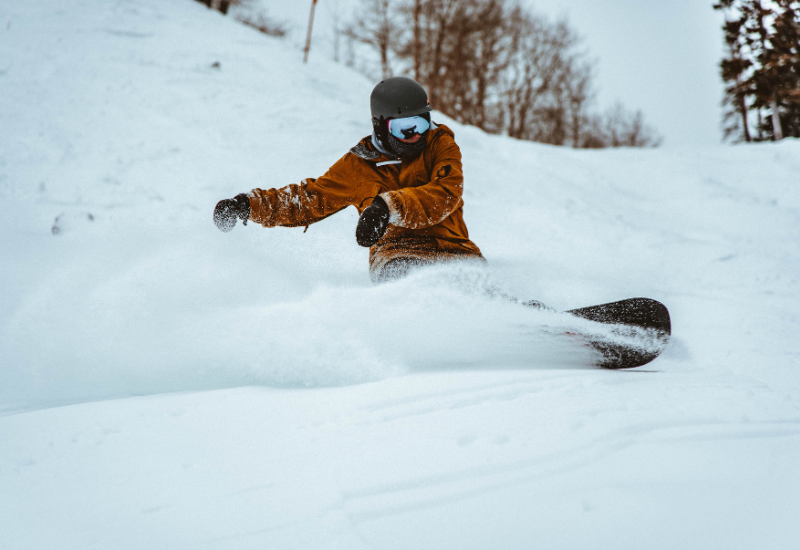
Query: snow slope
point(165, 385)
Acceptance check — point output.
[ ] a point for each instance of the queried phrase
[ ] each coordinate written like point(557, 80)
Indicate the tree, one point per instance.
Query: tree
point(578, 91)
point(221, 5)
point(454, 48)
point(761, 69)
point(621, 128)
point(375, 27)
point(782, 69)
point(492, 64)
point(538, 53)
point(734, 69)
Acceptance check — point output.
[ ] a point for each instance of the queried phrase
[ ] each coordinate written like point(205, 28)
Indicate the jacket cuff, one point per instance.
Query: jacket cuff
point(260, 208)
point(253, 204)
point(395, 208)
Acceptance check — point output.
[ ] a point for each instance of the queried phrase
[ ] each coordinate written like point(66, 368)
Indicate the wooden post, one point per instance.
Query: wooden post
point(310, 24)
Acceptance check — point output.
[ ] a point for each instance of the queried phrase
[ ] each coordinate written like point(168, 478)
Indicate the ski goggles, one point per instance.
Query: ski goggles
point(406, 128)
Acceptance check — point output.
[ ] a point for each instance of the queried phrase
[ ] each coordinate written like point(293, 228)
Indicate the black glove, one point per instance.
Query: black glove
point(373, 222)
point(229, 210)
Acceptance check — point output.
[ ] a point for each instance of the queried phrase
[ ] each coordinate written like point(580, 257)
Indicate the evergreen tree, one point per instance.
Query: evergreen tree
point(784, 65)
point(762, 68)
point(734, 69)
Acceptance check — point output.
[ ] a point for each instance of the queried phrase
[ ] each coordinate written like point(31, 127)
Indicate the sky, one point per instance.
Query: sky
point(659, 57)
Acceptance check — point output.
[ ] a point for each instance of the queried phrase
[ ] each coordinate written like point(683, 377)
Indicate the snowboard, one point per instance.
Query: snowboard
point(646, 319)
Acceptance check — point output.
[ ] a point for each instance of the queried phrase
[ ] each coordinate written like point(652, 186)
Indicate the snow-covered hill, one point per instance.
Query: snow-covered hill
point(164, 385)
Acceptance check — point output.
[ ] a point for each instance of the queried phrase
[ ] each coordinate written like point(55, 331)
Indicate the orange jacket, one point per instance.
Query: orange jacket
point(423, 194)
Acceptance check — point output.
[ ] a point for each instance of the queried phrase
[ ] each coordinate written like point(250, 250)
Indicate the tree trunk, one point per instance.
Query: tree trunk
point(385, 40)
point(417, 38)
point(777, 131)
point(743, 112)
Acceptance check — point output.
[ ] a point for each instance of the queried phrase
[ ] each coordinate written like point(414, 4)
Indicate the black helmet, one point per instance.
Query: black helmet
point(398, 97)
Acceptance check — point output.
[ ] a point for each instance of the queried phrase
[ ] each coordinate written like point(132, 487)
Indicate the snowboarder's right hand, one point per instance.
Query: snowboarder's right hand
point(373, 222)
point(228, 211)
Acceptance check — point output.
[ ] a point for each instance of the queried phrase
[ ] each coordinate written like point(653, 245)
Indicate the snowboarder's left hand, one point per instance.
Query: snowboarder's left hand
point(373, 222)
point(228, 211)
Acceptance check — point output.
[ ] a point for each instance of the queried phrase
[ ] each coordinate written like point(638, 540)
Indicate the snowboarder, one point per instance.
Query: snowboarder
point(405, 180)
